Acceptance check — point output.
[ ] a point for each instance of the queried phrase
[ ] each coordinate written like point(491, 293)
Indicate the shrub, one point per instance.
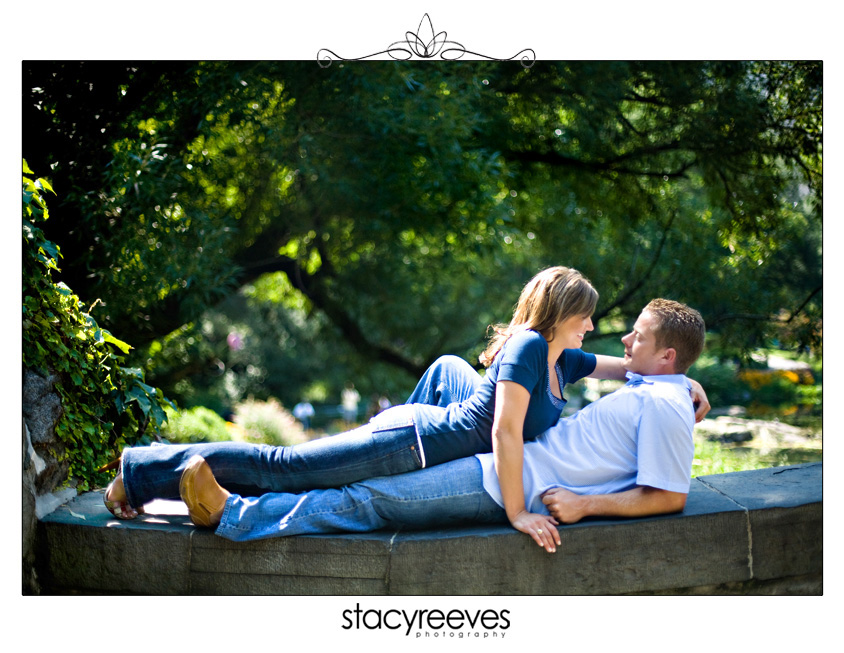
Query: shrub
point(721, 382)
point(197, 424)
point(777, 390)
point(104, 405)
point(266, 422)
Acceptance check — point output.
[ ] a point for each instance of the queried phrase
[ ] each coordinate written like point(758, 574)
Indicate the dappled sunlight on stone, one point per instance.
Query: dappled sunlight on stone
point(165, 507)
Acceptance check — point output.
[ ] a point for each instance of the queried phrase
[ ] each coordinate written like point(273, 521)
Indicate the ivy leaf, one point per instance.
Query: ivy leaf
point(58, 337)
point(52, 249)
point(122, 346)
point(45, 185)
point(159, 414)
point(143, 400)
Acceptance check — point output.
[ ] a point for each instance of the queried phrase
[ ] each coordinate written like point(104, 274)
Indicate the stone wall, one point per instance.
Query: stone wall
point(758, 532)
point(30, 523)
point(44, 474)
point(42, 409)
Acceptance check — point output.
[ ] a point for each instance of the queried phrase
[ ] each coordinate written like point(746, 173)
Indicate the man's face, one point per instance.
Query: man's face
point(641, 354)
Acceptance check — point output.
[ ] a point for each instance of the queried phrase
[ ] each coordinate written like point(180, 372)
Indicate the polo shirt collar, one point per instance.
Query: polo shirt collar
point(634, 379)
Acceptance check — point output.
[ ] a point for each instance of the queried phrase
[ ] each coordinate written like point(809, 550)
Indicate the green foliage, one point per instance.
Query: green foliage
point(197, 424)
point(716, 458)
point(104, 404)
point(810, 395)
point(761, 390)
point(266, 422)
point(779, 391)
point(254, 421)
point(281, 351)
point(720, 379)
point(366, 218)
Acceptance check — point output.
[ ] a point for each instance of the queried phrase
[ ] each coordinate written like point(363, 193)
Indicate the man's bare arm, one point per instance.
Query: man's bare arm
point(568, 507)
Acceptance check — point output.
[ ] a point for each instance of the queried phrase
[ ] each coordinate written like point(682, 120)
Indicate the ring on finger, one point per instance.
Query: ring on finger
point(539, 531)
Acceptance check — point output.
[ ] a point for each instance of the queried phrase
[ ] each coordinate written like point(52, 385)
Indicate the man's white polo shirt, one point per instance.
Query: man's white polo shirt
point(640, 434)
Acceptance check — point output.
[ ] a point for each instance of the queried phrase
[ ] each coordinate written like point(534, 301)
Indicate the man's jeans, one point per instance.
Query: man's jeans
point(451, 494)
point(387, 445)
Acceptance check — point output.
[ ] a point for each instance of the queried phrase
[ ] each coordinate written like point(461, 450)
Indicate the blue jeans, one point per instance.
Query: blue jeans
point(449, 380)
point(386, 445)
point(450, 494)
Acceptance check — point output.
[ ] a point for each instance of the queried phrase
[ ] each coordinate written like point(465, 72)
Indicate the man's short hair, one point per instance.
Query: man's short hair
point(679, 327)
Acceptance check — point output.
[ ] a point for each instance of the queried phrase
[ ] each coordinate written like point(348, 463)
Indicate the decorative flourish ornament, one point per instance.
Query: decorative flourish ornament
point(426, 44)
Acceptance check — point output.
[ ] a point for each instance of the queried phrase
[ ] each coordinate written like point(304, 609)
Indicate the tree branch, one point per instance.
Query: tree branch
point(314, 287)
point(558, 159)
point(726, 317)
point(803, 305)
point(632, 290)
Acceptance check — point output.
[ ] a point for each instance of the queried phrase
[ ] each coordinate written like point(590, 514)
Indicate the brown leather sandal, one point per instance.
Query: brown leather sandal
point(201, 493)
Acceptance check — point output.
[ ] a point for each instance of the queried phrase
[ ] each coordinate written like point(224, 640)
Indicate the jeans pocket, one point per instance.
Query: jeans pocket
point(397, 425)
point(393, 418)
point(417, 457)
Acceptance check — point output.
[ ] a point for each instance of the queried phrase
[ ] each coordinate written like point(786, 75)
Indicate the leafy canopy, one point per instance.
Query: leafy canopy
point(398, 208)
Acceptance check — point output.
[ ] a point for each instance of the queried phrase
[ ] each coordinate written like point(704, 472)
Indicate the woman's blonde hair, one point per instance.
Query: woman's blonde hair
point(553, 295)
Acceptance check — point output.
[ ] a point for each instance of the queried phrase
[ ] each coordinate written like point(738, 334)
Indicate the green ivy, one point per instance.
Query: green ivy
point(105, 406)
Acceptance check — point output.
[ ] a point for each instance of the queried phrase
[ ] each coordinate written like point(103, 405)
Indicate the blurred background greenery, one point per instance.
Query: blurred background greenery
point(264, 233)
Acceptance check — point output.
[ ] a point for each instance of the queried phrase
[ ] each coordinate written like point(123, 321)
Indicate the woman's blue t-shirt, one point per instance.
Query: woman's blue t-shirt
point(464, 429)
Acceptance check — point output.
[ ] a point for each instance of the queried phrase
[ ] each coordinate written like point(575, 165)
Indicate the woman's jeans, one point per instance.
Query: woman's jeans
point(448, 494)
point(387, 445)
point(449, 380)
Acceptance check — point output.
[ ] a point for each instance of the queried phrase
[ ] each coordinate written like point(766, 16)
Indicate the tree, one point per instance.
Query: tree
point(408, 203)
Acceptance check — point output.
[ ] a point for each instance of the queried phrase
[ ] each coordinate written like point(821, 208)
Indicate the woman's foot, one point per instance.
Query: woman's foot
point(204, 497)
point(115, 499)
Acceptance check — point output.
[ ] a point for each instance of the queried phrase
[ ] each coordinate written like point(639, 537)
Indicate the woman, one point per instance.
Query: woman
point(529, 362)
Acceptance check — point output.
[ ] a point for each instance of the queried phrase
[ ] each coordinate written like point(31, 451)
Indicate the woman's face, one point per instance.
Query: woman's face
point(571, 331)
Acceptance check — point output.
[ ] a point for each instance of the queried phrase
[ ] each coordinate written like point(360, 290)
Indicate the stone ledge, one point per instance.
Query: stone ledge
point(758, 532)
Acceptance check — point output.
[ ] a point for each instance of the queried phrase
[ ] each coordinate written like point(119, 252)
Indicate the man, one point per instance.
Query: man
point(628, 454)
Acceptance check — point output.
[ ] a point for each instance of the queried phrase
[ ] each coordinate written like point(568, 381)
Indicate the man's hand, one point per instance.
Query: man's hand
point(565, 506)
point(699, 399)
point(542, 528)
point(639, 501)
